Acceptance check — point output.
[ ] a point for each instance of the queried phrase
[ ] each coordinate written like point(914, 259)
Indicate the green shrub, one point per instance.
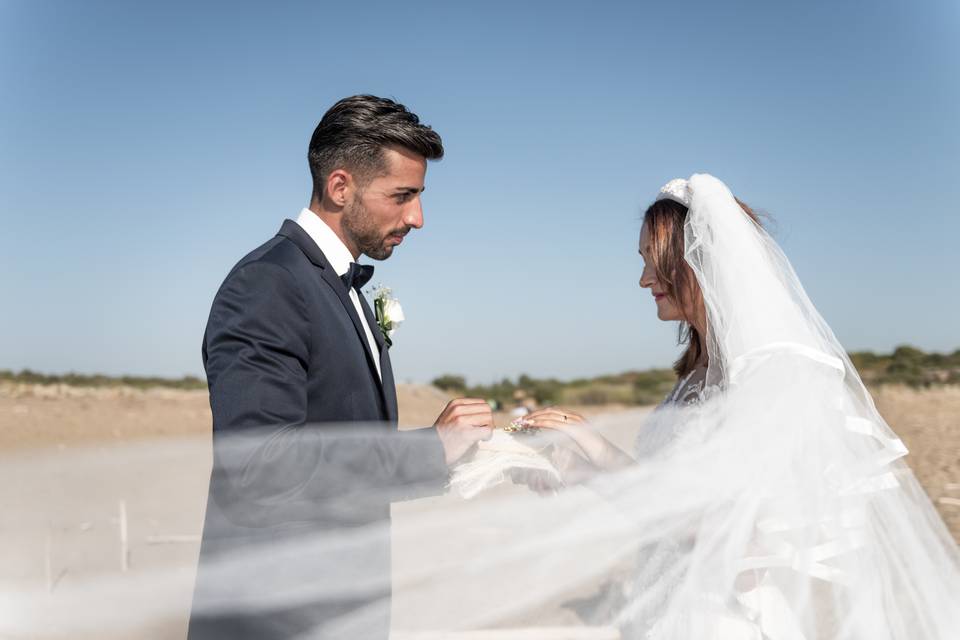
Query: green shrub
point(452, 383)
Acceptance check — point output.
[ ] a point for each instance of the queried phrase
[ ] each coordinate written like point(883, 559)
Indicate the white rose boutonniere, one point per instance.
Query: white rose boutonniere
point(388, 311)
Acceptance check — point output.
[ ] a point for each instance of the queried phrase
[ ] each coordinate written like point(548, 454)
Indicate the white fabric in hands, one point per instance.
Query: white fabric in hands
point(494, 459)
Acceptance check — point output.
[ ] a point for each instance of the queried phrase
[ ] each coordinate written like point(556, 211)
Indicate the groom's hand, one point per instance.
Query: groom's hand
point(463, 423)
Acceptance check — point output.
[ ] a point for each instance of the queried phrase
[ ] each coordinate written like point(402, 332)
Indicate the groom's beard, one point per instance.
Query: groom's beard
point(370, 240)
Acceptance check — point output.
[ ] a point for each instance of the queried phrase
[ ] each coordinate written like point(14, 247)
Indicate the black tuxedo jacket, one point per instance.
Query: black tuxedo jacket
point(305, 443)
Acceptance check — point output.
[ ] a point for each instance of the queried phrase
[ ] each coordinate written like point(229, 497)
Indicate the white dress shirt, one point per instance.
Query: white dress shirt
point(340, 259)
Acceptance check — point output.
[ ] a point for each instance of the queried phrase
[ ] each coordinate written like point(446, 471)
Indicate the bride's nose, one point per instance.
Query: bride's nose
point(647, 278)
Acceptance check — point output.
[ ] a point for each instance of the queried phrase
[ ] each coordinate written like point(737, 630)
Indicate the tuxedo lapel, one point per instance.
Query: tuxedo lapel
point(388, 387)
point(336, 284)
point(292, 231)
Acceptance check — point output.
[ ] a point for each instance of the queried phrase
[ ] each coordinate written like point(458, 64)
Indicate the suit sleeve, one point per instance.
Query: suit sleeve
point(269, 464)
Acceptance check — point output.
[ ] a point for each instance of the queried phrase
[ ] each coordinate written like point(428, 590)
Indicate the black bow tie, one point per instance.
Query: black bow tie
point(357, 275)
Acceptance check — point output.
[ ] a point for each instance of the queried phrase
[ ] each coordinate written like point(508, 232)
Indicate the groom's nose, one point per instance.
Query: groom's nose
point(413, 216)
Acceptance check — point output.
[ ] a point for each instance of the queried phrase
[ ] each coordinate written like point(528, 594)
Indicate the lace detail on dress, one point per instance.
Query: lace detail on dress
point(689, 389)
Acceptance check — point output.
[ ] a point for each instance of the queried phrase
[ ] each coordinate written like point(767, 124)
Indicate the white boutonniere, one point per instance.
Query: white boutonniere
point(388, 311)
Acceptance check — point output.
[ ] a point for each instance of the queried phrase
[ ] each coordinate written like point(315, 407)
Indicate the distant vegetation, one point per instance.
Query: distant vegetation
point(909, 366)
point(632, 387)
point(96, 380)
point(906, 365)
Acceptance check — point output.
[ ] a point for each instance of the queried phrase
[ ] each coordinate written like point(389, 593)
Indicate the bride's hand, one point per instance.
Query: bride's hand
point(592, 445)
point(554, 418)
point(571, 434)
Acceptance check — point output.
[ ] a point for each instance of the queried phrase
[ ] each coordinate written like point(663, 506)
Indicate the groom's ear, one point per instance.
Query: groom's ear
point(338, 188)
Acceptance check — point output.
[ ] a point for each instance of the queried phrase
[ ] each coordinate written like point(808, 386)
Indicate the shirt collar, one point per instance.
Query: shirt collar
point(328, 241)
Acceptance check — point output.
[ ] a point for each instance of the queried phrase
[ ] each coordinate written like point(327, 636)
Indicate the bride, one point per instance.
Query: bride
point(769, 495)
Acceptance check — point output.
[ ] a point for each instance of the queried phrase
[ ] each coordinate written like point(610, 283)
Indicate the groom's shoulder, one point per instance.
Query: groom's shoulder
point(278, 255)
point(277, 250)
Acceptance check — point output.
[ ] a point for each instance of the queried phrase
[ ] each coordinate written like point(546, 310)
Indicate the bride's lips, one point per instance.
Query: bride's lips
point(659, 296)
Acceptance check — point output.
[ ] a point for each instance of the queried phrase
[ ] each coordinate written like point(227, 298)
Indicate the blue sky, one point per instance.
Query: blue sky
point(144, 148)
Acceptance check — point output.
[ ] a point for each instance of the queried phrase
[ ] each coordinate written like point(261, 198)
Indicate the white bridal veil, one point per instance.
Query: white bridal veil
point(777, 508)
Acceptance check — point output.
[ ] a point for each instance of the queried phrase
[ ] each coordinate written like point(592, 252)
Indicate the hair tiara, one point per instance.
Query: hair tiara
point(677, 190)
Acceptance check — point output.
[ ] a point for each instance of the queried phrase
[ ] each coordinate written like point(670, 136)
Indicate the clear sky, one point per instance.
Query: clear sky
point(146, 147)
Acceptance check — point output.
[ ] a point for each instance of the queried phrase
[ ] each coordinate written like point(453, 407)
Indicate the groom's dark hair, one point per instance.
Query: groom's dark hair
point(354, 132)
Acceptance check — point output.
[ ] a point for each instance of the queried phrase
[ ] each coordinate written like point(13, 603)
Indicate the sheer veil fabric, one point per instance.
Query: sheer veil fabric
point(777, 507)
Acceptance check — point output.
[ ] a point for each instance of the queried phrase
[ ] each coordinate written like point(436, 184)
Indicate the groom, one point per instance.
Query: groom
point(307, 455)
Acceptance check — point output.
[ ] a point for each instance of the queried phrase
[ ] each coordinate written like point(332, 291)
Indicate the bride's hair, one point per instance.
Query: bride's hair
point(665, 219)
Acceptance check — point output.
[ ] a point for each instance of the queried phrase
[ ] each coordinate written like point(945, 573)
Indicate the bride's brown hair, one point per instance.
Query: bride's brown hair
point(665, 220)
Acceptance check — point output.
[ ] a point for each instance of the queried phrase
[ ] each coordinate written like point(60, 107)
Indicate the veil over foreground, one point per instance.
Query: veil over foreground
point(778, 507)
